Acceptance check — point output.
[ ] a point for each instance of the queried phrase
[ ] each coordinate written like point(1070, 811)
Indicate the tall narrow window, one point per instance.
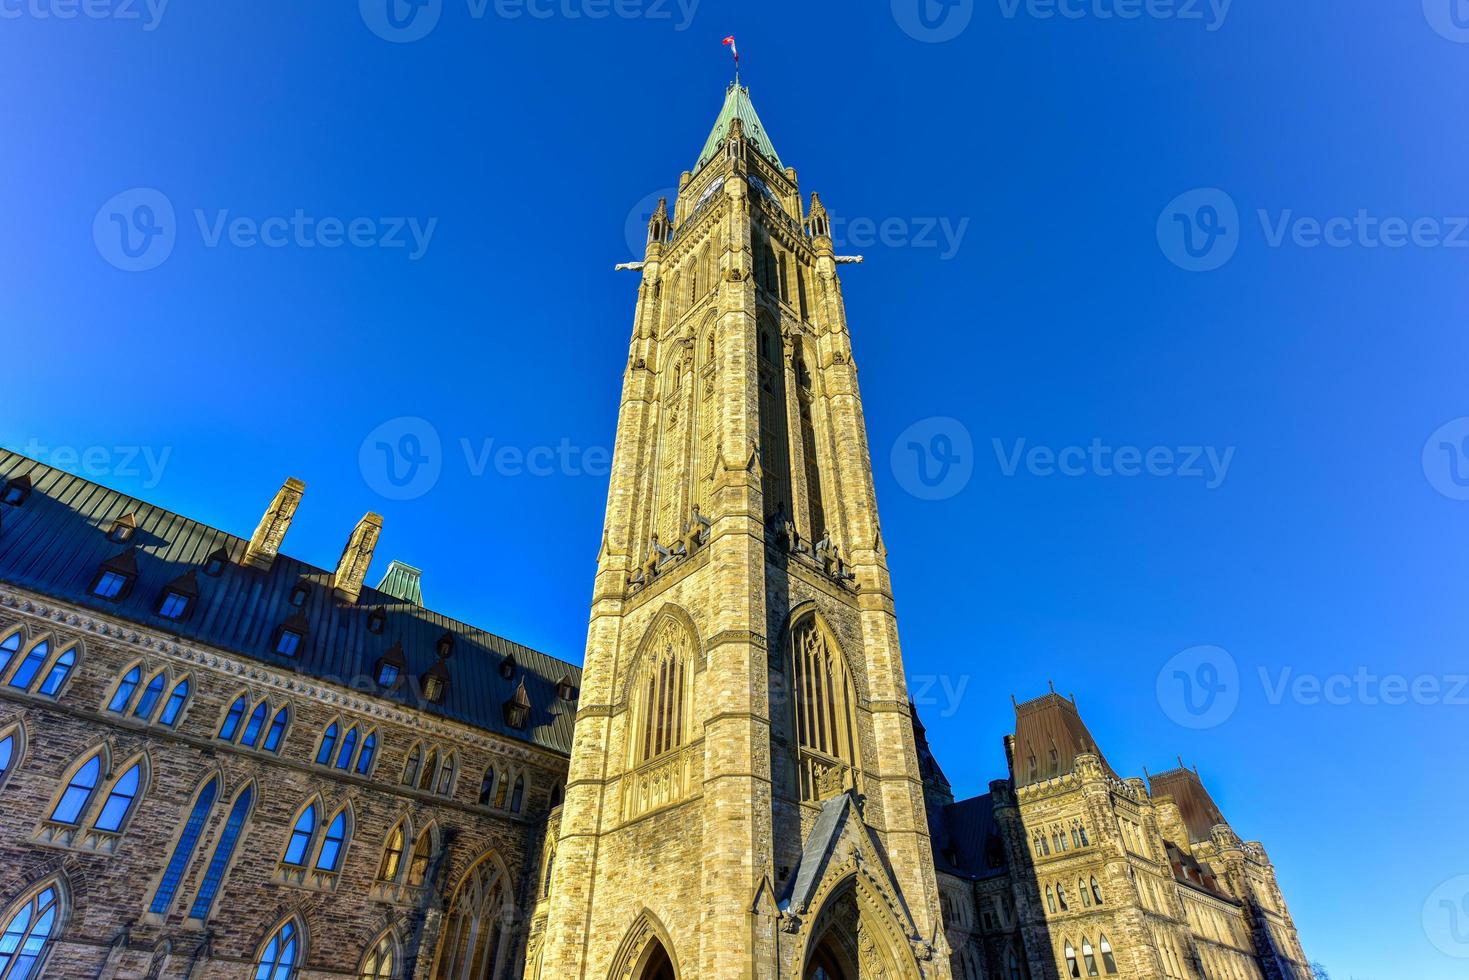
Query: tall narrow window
point(31, 665)
point(9, 751)
point(58, 674)
point(822, 698)
point(78, 792)
point(328, 745)
point(279, 958)
point(474, 926)
point(447, 773)
point(1073, 969)
point(150, 697)
point(392, 855)
point(28, 934)
point(487, 787)
point(183, 851)
point(120, 800)
point(298, 848)
point(517, 796)
point(369, 750)
point(419, 859)
point(1090, 956)
point(430, 769)
point(381, 962)
point(1109, 962)
point(332, 846)
point(231, 725)
point(1097, 891)
point(224, 851)
point(8, 649)
point(277, 730)
point(664, 690)
point(411, 767)
point(176, 699)
point(253, 727)
point(349, 748)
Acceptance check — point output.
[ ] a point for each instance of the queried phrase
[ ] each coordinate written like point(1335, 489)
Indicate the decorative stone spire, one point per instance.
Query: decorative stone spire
point(352, 568)
point(266, 542)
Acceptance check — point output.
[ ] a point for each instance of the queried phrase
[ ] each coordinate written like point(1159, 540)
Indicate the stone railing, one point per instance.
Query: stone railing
point(823, 777)
point(669, 779)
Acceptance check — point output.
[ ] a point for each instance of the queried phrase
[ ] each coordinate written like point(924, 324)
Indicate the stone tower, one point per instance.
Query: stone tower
point(744, 798)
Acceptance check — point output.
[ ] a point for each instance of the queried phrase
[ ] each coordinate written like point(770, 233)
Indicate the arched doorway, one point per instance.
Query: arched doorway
point(854, 938)
point(825, 965)
point(658, 965)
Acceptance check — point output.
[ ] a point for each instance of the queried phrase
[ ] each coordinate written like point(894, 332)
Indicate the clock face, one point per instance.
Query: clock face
point(709, 192)
point(761, 186)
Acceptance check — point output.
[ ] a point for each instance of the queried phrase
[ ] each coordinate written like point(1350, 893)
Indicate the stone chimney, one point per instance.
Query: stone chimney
point(266, 542)
point(352, 569)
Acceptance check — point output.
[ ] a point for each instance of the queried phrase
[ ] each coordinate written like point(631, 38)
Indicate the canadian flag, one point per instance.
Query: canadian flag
point(730, 42)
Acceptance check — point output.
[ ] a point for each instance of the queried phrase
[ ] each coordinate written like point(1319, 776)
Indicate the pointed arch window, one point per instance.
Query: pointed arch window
point(121, 799)
point(280, 958)
point(328, 745)
point(1073, 968)
point(487, 787)
point(31, 665)
point(1089, 956)
point(1109, 962)
point(254, 726)
point(447, 773)
point(368, 756)
point(78, 792)
point(183, 851)
point(1086, 895)
point(334, 845)
point(412, 766)
point(381, 961)
point(60, 671)
point(277, 730)
point(387, 869)
point(298, 848)
point(8, 649)
point(224, 852)
point(348, 749)
point(175, 704)
point(823, 699)
point(474, 927)
point(430, 769)
point(1097, 892)
point(150, 697)
point(663, 691)
point(29, 931)
point(11, 744)
point(1051, 899)
point(231, 725)
point(517, 795)
point(418, 861)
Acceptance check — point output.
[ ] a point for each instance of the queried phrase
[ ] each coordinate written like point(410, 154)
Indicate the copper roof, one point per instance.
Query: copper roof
point(1197, 807)
point(1049, 735)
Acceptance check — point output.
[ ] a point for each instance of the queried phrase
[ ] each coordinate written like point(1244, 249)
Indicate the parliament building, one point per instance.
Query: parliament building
point(217, 761)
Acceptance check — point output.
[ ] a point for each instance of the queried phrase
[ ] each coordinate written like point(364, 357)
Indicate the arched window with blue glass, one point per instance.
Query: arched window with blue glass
point(334, 843)
point(177, 698)
point(328, 744)
point(348, 749)
point(368, 755)
point(151, 696)
point(283, 952)
point(12, 748)
point(183, 850)
point(59, 673)
point(9, 647)
point(230, 727)
point(30, 930)
point(255, 727)
point(224, 853)
point(122, 796)
point(303, 835)
point(81, 786)
point(31, 665)
point(126, 688)
point(277, 730)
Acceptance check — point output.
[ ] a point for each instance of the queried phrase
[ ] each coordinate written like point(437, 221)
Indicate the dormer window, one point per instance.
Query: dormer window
point(517, 709)
point(433, 689)
point(507, 667)
point(390, 668)
point(177, 600)
point(445, 646)
point(290, 636)
point(214, 564)
point(377, 620)
point(122, 529)
point(115, 578)
point(16, 491)
point(300, 594)
point(565, 690)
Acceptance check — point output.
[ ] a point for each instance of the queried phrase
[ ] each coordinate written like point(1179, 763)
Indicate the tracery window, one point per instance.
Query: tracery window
point(146, 706)
point(29, 931)
point(475, 935)
point(254, 733)
point(281, 957)
point(823, 697)
point(663, 687)
point(37, 657)
point(381, 961)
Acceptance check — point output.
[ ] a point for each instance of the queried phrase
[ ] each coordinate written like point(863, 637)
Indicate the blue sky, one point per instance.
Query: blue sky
point(1047, 187)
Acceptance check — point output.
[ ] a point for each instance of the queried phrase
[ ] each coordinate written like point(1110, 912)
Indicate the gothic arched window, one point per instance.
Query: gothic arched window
point(392, 860)
point(475, 938)
point(176, 699)
point(298, 848)
point(367, 756)
point(277, 730)
point(1109, 962)
point(282, 955)
point(12, 744)
point(79, 789)
point(1073, 969)
point(823, 699)
point(31, 665)
point(122, 796)
point(183, 851)
point(58, 674)
point(29, 931)
point(662, 690)
point(8, 649)
point(381, 961)
point(150, 697)
point(224, 852)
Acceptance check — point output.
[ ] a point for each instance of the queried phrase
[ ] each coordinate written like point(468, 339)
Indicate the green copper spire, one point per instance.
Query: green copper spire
point(737, 105)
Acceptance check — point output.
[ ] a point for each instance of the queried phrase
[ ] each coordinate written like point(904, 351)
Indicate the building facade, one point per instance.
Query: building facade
point(217, 761)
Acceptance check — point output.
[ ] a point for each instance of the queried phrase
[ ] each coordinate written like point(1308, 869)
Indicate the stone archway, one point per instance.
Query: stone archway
point(854, 938)
point(657, 965)
point(646, 952)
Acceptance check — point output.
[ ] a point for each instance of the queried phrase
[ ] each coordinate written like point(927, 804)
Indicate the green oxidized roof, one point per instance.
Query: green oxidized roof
point(737, 105)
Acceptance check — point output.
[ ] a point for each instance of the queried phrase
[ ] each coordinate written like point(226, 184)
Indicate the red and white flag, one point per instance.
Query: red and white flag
point(730, 42)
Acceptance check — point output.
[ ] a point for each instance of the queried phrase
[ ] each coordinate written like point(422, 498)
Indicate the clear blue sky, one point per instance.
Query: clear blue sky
point(1061, 316)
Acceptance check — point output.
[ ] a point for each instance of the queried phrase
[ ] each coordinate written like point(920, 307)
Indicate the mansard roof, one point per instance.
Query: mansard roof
point(737, 105)
point(1200, 814)
point(54, 543)
point(1050, 724)
point(967, 839)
